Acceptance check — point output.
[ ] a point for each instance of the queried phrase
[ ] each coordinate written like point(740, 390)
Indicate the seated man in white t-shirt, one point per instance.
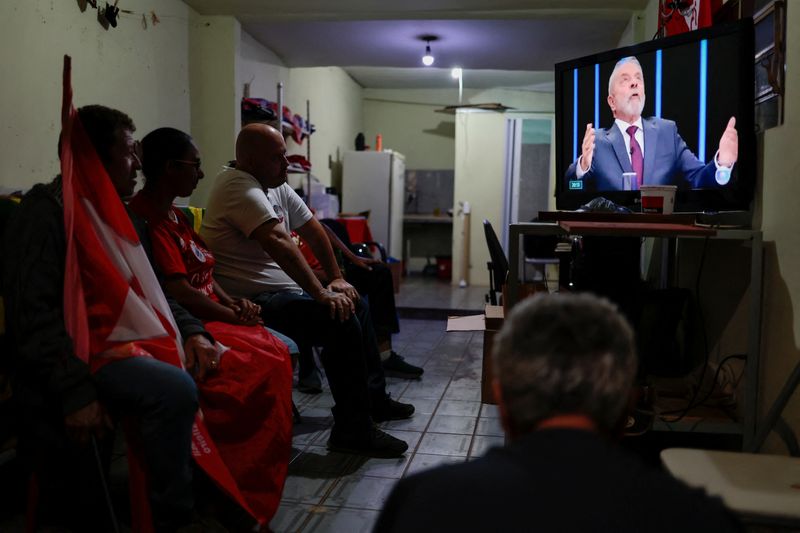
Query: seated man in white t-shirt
point(250, 214)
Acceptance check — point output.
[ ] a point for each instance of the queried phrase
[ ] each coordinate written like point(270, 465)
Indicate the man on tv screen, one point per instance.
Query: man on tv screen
point(636, 151)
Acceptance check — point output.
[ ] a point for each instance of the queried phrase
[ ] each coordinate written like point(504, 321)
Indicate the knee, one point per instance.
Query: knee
point(178, 391)
point(362, 308)
point(381, 272)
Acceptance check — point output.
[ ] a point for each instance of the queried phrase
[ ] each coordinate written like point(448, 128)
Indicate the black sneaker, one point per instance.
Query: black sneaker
point(373, 443)
point(397, 367)
point(310, 384)
point(392, 410)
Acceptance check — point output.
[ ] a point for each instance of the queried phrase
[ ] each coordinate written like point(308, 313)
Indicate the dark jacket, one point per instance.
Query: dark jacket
point(49, 381)
point(551, 480)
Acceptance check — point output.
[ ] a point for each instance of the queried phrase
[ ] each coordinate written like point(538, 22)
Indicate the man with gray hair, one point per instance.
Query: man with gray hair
point(650, 148)
point(564, 367)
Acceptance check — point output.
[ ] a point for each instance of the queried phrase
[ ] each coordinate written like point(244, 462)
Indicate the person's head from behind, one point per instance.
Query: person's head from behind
point(170, 162)
point(626, 90)
point(261, 152)
point(111, 134)
point(563, 354)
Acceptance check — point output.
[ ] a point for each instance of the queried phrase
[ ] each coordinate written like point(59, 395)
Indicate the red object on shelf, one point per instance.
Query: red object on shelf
point(686, 15)
point(444, 268)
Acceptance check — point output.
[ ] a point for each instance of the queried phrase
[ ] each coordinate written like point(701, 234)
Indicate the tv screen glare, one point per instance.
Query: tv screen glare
point(698, 80)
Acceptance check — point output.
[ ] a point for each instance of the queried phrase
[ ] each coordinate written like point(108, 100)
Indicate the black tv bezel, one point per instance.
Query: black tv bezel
point(736, 198)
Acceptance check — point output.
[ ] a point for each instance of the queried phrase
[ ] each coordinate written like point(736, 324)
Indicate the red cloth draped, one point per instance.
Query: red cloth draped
point(695, 14)
point(113, 305)
point(247, 403)
point(248, 410)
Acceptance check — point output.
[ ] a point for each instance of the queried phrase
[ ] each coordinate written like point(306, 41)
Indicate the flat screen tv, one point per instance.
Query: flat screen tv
point(698, 80)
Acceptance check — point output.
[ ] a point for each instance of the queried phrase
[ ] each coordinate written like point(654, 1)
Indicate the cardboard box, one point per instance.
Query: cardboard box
point(490, 323)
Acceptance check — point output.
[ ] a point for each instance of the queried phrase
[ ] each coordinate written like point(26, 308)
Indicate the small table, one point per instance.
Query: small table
point(763, 489)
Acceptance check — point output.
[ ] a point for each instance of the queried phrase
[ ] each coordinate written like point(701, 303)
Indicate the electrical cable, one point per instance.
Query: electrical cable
point(701, 319)
point(714, 384)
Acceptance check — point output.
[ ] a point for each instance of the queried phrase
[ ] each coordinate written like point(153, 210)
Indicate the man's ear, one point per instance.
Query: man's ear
point(505, 421)
point(610, 100)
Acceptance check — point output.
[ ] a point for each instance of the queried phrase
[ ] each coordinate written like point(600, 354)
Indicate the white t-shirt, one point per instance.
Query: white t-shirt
point(237, 206)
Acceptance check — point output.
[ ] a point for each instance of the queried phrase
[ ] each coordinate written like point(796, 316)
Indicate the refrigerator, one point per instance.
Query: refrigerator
point(375, 181)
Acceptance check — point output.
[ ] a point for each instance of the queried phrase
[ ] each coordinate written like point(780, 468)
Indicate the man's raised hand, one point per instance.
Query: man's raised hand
point(587, 149)
point(728, 145)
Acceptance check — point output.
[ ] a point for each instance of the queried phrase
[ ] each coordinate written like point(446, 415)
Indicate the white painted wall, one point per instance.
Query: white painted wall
point(144, 73)
point(336, 111)
point(479, 179)
point(237, 58)
point(408, 121)
point(642, 25)
point(214, 47)
point(410, 125)
point(261, 68)
point(480, 149)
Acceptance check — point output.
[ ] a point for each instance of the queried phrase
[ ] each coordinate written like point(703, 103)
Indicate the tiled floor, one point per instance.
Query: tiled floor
point(424, 292)
point(334, 492)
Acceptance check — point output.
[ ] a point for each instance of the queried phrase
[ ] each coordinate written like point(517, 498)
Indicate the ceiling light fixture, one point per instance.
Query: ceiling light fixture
point(428, 58)
point(458, 74)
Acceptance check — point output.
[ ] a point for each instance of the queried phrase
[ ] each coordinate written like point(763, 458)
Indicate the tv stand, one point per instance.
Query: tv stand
point(565, 223)
point(726, 219)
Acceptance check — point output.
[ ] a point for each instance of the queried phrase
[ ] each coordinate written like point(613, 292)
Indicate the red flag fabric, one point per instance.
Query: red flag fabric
point(113, 304)
point(686, 15)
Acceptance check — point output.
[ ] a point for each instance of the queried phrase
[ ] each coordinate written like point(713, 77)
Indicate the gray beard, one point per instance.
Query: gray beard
point(632, 108)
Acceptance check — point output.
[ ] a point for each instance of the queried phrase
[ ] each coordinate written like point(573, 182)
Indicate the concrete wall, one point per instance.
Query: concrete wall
point(480, 150)
point(214, 45)
point(408, 122)
point(142, 72)
point(336, 111)
point(479, 179)
point(227, 58)
point(779, 189)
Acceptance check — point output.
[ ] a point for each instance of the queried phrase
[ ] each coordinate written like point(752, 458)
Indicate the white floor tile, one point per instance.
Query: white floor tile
point(444, 444)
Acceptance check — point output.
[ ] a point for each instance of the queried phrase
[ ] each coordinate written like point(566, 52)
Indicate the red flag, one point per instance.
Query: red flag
point(679, 16)
point(113, 304)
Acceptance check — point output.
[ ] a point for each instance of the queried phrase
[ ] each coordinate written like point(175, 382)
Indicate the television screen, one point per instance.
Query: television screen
point(691, 85)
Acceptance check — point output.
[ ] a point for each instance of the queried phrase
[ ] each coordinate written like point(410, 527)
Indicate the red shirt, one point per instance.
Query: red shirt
point(177, 249)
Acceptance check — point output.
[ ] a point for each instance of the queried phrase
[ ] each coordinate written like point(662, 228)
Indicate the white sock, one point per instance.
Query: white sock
point(385, 355)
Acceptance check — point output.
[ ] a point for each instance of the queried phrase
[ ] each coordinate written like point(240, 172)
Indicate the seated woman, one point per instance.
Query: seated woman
point(246, 402)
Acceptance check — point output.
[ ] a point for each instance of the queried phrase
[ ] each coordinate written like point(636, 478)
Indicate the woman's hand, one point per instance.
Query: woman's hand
point(247, 313)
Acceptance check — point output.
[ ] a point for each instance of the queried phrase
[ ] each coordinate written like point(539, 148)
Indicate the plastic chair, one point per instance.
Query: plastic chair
point(498, 266)
point(362, 249)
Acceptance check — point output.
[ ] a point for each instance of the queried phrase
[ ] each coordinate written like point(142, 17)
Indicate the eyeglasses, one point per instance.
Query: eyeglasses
point(195, 164)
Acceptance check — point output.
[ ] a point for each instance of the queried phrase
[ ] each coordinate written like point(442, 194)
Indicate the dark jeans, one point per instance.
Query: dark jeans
point(162, 400)
point(377, 287)
point(349, 351)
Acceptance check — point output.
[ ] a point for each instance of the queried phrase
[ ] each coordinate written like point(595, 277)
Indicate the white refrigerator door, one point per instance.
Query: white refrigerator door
point(396, 204)
point(367, 185)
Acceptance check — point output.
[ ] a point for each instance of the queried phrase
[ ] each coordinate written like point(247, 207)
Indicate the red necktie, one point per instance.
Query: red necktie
point(637, 159)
